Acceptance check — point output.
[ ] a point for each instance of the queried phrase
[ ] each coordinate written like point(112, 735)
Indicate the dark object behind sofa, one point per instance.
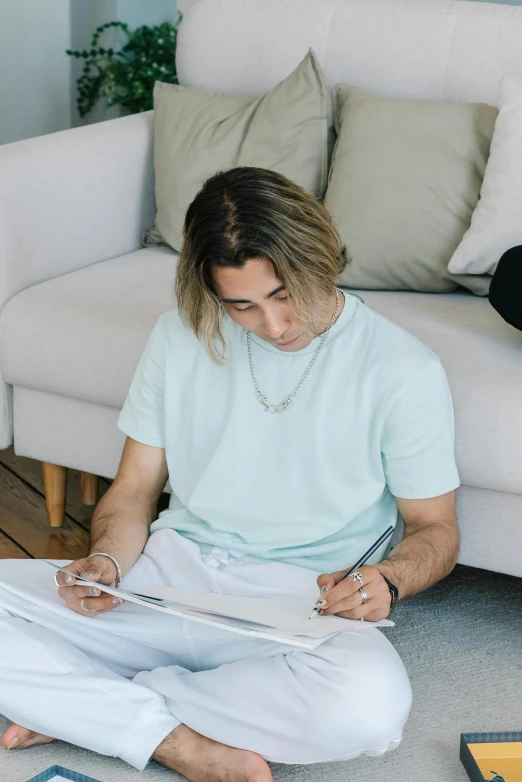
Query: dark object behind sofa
point(505, 291)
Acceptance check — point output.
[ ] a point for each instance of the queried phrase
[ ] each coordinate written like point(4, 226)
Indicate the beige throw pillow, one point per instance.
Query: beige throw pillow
point(496, 224)
point(198, 132)
point(403, 184)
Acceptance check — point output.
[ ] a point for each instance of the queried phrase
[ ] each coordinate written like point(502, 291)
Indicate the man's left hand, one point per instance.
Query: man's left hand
point(344, 599)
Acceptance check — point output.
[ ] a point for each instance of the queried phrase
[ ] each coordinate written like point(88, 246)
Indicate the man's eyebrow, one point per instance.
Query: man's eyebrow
point(247, 301)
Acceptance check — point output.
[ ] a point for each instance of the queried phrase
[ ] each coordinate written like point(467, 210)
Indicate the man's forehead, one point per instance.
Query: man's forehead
point(255, 279)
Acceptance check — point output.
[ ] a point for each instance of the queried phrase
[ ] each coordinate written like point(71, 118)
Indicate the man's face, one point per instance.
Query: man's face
point(257, 300)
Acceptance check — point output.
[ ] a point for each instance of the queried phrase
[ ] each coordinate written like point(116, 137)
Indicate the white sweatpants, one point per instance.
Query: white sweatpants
point(63, 674)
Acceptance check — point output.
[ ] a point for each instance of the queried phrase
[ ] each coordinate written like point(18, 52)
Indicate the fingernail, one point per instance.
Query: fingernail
point(320, 603)
point(323, 590)
point(13, 742)
point(320, 611)
point(69, 579)
point(88, 573)
point(118, 601)
point(93, 591)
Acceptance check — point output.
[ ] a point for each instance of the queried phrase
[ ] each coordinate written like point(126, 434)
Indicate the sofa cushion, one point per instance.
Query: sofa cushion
point(482, 356)
point(403, 183)
point(197, 132)
point(495, 224)
point(81, 335)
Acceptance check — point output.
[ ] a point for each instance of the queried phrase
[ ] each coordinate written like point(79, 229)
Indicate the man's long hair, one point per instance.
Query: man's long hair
point(247, 213)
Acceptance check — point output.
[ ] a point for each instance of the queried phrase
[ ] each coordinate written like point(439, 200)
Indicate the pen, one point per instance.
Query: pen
point(365, 557)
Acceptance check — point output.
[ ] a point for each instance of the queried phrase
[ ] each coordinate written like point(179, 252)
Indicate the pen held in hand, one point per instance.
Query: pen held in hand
point(365, 557)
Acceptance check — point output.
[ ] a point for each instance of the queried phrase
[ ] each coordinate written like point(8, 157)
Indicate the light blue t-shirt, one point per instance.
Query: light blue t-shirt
point(314, 485)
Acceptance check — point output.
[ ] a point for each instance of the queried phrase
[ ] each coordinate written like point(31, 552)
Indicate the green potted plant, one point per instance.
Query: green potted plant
point(127, 76)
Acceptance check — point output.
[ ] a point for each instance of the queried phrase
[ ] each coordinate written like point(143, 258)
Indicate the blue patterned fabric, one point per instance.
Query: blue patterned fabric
point(53, 771)
point(487, 738)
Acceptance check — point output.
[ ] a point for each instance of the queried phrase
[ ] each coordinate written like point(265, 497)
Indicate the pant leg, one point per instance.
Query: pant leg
point(50, 686)
point(63, 674)
point(290, 706)
point(349, 696)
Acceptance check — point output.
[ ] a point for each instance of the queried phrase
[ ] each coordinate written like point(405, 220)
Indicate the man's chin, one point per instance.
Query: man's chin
point(297, 343)
point(287, 342)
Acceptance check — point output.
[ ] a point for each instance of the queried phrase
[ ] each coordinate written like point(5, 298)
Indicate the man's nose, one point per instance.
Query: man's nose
point(274, 325)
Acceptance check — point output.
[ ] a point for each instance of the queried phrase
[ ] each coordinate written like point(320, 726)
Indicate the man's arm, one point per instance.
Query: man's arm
point(120, 527)
point(121, 521)
point(427, 553)
point(429, 548)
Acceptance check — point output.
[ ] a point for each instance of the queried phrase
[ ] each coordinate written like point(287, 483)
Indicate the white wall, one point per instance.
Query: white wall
point(35, 75)
point(87, 15)
point(38, 78)
point(184, 5)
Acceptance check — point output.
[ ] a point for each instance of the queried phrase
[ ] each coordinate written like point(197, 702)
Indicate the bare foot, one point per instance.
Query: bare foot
point(17, 737)
point(20, 738)
point(201, 759)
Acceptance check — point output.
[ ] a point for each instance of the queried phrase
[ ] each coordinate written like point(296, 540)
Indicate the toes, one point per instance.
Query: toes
point(17, 737)
point(14, 735)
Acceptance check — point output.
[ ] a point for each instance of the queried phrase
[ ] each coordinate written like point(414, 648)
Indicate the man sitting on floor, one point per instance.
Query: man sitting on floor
point(289, 452)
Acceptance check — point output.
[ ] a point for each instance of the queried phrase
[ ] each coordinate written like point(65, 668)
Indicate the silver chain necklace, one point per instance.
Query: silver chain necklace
point(261, 398)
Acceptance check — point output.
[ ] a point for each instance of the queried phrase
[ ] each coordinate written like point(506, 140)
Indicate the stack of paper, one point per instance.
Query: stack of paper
point(279, 620)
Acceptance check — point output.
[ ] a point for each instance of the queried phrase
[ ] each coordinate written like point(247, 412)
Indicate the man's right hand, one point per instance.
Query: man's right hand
point(95, 568)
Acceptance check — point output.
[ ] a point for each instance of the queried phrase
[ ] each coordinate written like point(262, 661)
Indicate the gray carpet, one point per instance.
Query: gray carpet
point(461, 642)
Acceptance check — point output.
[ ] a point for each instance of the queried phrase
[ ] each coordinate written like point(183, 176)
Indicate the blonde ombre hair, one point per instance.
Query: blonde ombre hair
point(246, 213)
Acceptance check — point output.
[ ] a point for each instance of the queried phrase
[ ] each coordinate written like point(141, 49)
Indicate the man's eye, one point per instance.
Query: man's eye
point(244, 309)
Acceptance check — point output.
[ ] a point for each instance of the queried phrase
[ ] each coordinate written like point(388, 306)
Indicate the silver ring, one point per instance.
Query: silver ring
point(364, 595)
point(90, 610)
point(55, 581)
point(358, 577)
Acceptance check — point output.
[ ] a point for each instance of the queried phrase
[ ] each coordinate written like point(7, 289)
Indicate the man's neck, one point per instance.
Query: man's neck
point(341, 307)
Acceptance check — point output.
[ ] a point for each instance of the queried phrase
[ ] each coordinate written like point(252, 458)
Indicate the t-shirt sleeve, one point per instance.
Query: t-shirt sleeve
point(418, 438)
point(142, 415)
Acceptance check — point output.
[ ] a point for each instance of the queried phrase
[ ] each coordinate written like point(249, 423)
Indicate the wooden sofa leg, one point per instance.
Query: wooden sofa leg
point(88, 488)
point(55, 487)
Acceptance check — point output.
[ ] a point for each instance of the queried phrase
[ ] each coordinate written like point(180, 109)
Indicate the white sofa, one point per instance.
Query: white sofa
point(79, 295)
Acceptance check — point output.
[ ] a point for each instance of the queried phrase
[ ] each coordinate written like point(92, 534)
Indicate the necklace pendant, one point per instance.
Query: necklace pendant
point(269, 407)
point(288, 401)
point(264, 401)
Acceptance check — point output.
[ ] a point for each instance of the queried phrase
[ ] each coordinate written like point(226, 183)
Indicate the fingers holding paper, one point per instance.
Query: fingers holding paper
point(343, 596)
point(85, 599)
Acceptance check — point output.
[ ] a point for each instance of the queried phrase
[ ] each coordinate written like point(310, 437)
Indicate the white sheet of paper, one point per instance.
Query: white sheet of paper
point(287, 615)
point(285, 620)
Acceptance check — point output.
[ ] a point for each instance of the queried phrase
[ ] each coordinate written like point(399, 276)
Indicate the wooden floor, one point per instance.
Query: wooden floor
point(24, 529)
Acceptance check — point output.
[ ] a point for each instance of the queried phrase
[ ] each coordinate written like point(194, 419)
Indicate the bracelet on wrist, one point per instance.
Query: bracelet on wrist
point(109, 556)
point(394, 593)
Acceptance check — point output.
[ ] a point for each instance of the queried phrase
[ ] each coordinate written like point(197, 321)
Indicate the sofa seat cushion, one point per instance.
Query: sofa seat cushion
point(81, 336)
point(482, 356)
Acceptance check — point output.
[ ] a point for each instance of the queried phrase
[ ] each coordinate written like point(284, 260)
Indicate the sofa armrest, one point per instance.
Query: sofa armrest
point(68, 200)
point(73, 198)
